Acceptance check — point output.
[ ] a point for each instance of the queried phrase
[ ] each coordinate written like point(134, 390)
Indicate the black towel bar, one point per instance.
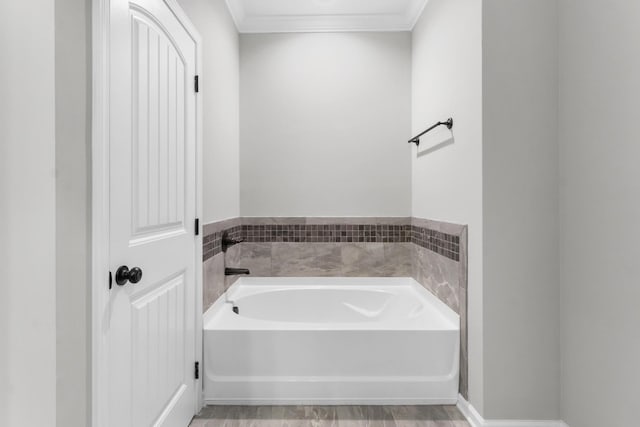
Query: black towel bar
point(448, 124)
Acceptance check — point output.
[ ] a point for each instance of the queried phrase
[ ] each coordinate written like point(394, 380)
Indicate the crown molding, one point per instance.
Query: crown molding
point(247, 22)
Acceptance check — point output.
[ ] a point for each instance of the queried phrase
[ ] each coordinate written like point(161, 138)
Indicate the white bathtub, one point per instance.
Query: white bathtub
point(330, 341)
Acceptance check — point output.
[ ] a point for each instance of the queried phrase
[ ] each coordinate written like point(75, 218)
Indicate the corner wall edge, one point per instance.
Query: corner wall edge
point(476, 420)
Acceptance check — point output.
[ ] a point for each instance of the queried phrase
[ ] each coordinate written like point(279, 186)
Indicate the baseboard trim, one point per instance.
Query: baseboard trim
point(476, 420)
point(328, 402)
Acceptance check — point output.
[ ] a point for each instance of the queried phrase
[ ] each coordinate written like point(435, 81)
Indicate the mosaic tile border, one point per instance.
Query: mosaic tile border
point(212, 243)
point(447, 245)
point(328, 233)
point(272, 230)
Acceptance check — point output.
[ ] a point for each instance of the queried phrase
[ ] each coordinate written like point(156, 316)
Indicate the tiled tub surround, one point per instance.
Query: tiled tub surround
point(432, 252)
point(446, 277)
point(254, 230)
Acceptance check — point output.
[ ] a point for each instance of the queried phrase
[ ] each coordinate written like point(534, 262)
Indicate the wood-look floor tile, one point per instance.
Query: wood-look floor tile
point(365, 416)
point(320, 416)
point(330, 416)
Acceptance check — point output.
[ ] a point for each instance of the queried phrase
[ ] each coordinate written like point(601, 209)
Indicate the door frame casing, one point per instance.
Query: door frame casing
point(100, 206)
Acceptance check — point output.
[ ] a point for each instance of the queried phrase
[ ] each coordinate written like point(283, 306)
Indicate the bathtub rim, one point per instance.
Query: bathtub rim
point(220, 306)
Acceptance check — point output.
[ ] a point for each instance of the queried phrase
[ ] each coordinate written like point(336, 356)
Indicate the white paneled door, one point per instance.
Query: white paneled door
point(152, 198)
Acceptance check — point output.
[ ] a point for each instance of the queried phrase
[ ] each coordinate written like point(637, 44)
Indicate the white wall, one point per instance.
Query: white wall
point(520, 200)
point(73, 251)
point(600, 207)
point(325, 119)
point(447, 182)
point(27, 214)
point(219, 86)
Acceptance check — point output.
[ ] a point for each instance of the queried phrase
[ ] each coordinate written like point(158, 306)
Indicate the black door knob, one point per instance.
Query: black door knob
point(124, 275)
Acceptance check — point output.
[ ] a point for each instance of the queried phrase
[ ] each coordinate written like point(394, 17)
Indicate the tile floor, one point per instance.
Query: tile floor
point(330, 416)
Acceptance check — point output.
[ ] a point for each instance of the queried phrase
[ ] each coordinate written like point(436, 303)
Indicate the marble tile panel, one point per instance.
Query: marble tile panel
point(398, 259)
point(213, 280)
point(362, 259)
point(376, 259)
point(234, 256)
point(438, 274)
point(306, 260)
point(257, 258)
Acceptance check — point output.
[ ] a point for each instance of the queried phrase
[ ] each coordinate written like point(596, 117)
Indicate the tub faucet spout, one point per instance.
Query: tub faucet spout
point(236, 271)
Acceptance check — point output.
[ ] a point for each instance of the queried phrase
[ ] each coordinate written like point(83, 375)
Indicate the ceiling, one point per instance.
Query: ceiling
point(278, 16)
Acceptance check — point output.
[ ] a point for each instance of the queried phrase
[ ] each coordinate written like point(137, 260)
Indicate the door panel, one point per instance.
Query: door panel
point(151, 332)
point(158, 130)
point(158, 318)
